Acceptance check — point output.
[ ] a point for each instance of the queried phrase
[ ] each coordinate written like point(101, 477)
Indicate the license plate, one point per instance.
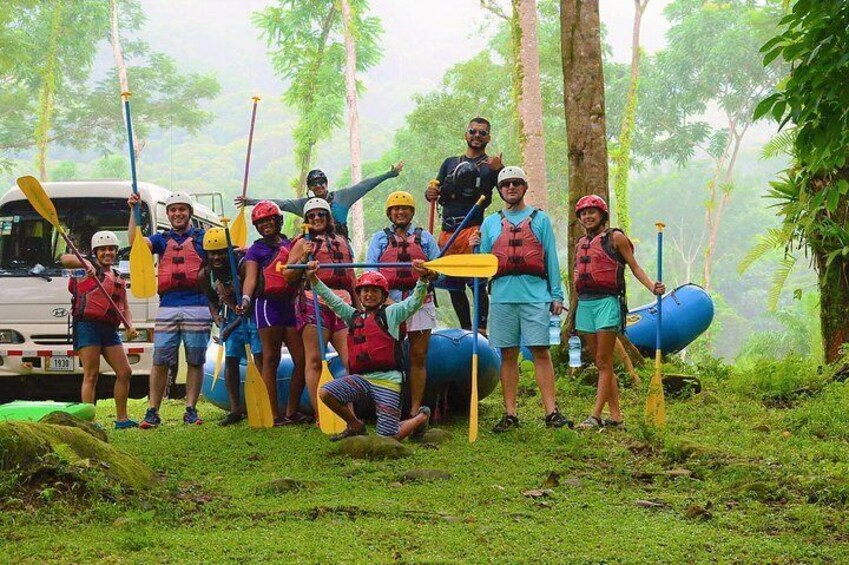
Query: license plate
point(61, 363)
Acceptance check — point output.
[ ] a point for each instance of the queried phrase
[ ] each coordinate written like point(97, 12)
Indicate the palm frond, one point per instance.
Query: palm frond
point(780, 144)
point(779, 281)
point(775, 238)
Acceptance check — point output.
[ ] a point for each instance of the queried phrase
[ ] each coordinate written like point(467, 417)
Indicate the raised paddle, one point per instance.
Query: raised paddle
point(328, 421)
point(239, 229)
point(39, 200)
point(459, 229)
point(142, 274)
point(482, 265)
point(655, 403)
point(219, 360)
point(431, 217)
point(473, 401)
point(256, 394)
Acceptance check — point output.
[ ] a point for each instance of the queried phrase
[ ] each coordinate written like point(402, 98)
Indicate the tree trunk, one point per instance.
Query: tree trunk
point(357, 219)
point(529, 103)
point(834, 303)
point(626, 130)
point(46, 94)
point(583, 98)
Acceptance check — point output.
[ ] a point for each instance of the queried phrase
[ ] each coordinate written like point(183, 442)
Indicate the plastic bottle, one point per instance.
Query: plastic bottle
point(554, 330)
point(574, 351)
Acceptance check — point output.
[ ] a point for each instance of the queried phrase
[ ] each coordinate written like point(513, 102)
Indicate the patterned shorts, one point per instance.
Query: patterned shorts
point(387, 402)
point(190, 325)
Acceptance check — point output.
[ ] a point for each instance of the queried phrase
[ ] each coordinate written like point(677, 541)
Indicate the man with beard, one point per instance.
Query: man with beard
point(460, 183)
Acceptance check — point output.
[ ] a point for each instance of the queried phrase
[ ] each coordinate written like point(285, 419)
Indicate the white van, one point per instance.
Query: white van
point(36, 354)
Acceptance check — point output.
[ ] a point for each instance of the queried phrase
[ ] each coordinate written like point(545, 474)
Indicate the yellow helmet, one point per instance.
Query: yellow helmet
point(400, 198)
point(214, 239)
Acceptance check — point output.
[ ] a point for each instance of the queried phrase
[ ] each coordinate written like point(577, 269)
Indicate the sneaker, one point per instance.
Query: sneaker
point(191, 416)
point(230, 419)
point(508, 422)
point(558, 420)
point(151, 419)
point(125, 424)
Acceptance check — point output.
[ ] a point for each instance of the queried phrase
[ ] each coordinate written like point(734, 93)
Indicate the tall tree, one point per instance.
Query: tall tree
point(358, 222)
point(622, 153)
point(583, 100)
point(813, 194)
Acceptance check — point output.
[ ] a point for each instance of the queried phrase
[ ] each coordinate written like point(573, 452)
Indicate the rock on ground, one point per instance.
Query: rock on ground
point(373, 447)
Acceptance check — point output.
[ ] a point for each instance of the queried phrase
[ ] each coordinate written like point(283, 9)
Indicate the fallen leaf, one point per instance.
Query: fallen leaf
point(552, 481)
point(649, 504)
point(538, 493)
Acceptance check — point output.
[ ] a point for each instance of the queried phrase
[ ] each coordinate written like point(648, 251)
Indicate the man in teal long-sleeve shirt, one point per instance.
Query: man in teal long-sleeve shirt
point(526, 292)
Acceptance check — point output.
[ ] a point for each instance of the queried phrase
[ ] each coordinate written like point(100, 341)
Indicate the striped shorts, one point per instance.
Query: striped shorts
point(190, 325)
point(387, 402)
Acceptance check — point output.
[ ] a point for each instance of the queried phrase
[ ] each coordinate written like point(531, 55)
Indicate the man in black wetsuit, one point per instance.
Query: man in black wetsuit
point(460, 182)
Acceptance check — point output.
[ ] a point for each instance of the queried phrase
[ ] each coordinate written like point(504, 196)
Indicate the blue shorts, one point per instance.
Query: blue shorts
point(190, 325)
point(101, 334)
point(235, 344)
point(519, 323)
point(598, 314)
point(387, 402)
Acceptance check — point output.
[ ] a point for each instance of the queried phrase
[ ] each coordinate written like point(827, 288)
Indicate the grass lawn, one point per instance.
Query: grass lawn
point(733, 479)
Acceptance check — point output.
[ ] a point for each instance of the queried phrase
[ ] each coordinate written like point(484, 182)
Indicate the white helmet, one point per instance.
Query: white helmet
point(511, 173)
point(180, 198)
point(104, 239)
point(316, 204)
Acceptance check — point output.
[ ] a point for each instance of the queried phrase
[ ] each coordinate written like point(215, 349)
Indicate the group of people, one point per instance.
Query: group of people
point(366, 318)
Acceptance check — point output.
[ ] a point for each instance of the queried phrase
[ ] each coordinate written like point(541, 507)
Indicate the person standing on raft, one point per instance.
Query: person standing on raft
point(216, 280)
point(340, 200)
point(525, 293)
point(403, 241)
point(374, 353)
point(96, 323)
point(598, 303)
point(461, 181)
point(183, 315)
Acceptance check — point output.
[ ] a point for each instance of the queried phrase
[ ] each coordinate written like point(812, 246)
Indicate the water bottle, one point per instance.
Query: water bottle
point(574, 351)
point(554, 330)
point(73, 273)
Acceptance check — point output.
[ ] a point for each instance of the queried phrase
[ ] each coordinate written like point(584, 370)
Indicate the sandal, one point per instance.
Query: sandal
point(611, 423)
point(508, 422)
point(590, 423)
point(349, 432)
point(422, 428)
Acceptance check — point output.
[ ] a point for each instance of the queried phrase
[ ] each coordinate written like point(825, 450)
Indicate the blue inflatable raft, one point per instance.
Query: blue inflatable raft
point(687, 313)
point(449, 369)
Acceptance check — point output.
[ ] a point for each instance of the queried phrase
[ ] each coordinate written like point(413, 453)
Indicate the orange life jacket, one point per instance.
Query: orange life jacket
point(88, 301)
point(371, 347)
point(599, 268)
point(179, 265)
point(518, 250)
point(273, 281)
point(402, 250)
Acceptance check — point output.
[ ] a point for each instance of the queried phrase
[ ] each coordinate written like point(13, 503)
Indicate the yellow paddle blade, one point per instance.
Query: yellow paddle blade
point(239, 230)
point(39, 199)
point(481, 265)
point(473, 403)
point(219, 360)
point(142, 273)
point(328, 421)
point(256, 396)
point(655, 403)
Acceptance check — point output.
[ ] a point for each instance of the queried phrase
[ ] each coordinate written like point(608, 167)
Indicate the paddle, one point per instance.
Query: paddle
point(39, 200)
point(431, 218)
point(239, 230)
point(460, 228)
point(473, 401)
point(219, 360)
point(329, 422)
point(655, 403)
point(142, 274)
point(483, 265)
point(256, 395)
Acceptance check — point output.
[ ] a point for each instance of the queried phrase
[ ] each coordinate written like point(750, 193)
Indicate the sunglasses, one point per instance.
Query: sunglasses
point(509, 183)
point(314, 215)
point(480, 132)
point(317, 183)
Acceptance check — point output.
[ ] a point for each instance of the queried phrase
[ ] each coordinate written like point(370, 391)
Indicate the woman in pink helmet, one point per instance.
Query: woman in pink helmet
point(598, 302)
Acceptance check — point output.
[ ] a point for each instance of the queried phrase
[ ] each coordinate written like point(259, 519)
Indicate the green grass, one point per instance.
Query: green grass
point(768, 484)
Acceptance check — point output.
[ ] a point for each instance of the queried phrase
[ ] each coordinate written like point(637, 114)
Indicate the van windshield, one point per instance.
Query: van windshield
point(28, 240)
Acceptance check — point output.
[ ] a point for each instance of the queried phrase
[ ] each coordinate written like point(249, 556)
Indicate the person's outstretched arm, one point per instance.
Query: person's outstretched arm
point(347, 197)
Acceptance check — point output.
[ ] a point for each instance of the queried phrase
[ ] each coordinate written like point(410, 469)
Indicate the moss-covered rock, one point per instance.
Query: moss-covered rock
point(281, 486)
point(65, 419)
point(433, 436)
point(373, 447)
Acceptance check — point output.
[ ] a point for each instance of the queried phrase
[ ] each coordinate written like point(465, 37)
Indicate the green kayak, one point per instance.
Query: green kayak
point(33, 411)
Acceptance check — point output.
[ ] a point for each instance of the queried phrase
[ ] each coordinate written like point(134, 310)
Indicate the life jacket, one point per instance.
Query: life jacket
point(518, 250)
point(402, 250)
point(599, 268)
point(334, 249)
point(179, 265)
point(273, 282)
point(88, 302)
point(371, 347)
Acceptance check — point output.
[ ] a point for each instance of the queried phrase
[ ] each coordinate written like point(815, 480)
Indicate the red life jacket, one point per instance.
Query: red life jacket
point(334, 249)
point(371, 347)
point(179, 265)
point(273, 282)
point(88, 302)
point(402, 250)
point(518, 250)
point(599, 268)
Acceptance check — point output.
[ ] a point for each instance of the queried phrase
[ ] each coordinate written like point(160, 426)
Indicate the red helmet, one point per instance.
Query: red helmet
point(265, 209)
point(591, 201)
point(372, 278)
